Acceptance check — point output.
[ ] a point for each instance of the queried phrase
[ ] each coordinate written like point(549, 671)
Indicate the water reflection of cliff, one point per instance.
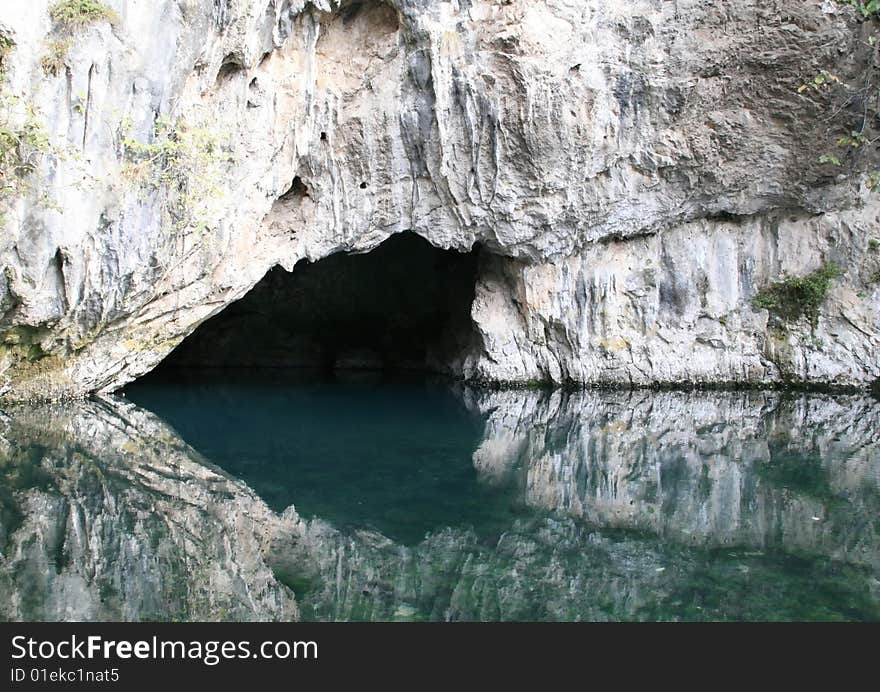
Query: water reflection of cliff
point(631, 505)
point(758, 469)
point(107, 515)
point(663, 505)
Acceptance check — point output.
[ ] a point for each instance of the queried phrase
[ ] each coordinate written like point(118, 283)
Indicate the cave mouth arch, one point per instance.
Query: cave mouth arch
point(403, 306)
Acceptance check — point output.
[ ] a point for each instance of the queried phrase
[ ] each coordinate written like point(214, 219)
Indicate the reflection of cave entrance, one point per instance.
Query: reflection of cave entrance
point(404, 305)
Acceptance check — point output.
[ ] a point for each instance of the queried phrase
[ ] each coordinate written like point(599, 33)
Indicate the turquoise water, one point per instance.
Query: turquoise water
point(266, 496)
point(392, 456)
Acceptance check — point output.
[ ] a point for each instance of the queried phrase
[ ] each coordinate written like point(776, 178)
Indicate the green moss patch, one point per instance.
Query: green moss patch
point(53, 59)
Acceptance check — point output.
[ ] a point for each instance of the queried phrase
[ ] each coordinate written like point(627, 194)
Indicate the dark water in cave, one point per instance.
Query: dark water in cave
point(418, 499)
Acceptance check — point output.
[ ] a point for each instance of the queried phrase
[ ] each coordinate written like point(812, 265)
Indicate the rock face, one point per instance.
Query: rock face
point(633, 172)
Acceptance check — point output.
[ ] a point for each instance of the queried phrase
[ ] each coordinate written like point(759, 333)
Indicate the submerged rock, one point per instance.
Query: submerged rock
point(634, 173)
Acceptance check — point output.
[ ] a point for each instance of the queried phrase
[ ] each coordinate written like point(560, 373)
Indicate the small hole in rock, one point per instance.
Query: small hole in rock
point(297, 190)
point(323, 136)
point(363, 186)
point(230, 67)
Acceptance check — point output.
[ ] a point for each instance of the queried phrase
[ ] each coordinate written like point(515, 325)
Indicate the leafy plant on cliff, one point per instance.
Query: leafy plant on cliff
point(867, 8)
point(853, 104)
point(53, 59)
point(72, 15)
point(181, 160)
point(23, 142)
point(6, 46)
point(22, 139)
point(797, 297)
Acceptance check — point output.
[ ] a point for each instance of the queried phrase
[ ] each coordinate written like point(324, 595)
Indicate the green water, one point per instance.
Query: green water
point(265, 496)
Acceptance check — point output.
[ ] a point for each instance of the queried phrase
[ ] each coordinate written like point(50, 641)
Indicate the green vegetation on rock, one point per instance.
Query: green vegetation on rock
point(23, 141)
point(53, 59)
point(867, 8)
point(853, 103)
point(72, 15)
point(6, 46)
point(184, 160)
point(797, 297)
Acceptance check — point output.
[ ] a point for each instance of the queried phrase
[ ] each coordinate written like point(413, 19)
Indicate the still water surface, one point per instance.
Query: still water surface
point(260, 497)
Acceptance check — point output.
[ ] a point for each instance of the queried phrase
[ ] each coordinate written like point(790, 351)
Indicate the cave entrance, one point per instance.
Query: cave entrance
point(405, 305)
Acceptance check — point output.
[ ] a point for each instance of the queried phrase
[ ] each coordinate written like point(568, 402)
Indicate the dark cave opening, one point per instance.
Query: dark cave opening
point(404, 306)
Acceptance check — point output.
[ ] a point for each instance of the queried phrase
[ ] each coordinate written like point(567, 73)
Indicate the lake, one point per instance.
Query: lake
point(269, 495)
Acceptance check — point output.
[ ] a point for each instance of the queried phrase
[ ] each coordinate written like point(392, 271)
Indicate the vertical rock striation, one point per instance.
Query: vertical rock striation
point(635, 173)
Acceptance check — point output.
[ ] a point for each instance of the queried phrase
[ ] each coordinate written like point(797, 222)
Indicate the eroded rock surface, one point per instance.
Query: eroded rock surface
point(635, 173)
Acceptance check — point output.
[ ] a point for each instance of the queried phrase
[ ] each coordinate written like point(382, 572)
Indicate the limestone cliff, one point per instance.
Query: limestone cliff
point(633, 172)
